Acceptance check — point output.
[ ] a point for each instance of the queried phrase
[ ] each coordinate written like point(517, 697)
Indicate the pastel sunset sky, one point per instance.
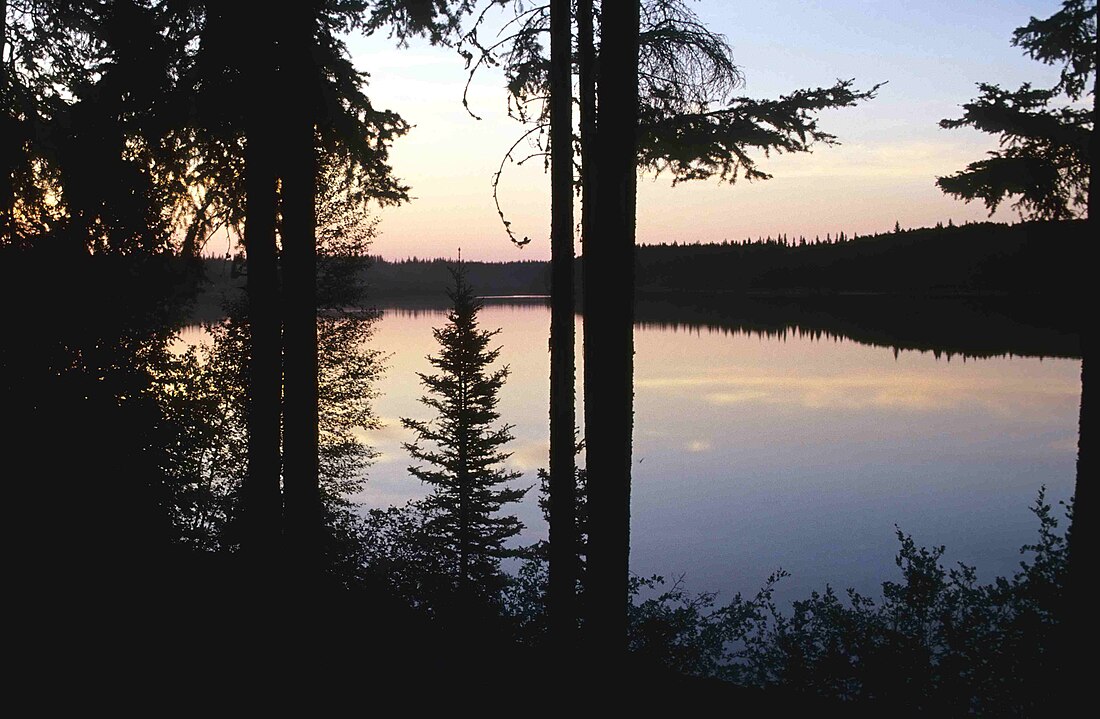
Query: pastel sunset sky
point(931, 53)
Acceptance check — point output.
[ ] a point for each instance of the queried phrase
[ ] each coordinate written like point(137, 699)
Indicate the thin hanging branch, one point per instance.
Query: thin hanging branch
point(509, 157)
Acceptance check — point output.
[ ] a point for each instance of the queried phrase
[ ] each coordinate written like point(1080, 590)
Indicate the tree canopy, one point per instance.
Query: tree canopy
point(691, 123)
point(1045, 134)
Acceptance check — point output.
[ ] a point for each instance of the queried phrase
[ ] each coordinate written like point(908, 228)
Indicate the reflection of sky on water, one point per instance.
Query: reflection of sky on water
point(755, 453)
point(406, 334)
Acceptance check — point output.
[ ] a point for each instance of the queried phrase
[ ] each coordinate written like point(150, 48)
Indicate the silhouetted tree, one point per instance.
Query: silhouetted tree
point(206, 394)
point(8, 130)
point(302, 80)
point(327, 116)
point(1048, 160)
point(685, 70)
point(609, 327)
point(563, 544)
point(463, 449)
point(261, 505)
point(330, 122)
point(690, 122)
point(93, 91)
point(1046, 157)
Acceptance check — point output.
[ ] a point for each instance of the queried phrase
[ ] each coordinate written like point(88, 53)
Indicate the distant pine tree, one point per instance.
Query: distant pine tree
point(469, 486)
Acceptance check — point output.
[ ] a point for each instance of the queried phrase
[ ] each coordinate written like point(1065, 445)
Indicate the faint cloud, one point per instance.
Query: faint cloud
point(530, 456)
point(905, 391)
point(737, 397)
point(698, 445)
point(387, 458)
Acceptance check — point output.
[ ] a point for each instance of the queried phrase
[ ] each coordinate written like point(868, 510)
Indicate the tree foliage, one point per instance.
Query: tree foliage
point(203, 392)
point(437, 20)
point(725, 142)
point(93, 90)
point(1068, 38)
point(1045, 153)
point(691, 123)
point(154, 95)
point(937, 640)
point(462, 448)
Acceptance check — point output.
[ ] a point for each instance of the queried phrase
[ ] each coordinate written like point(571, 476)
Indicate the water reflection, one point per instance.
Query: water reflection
point(799, 448)
point(970, 327)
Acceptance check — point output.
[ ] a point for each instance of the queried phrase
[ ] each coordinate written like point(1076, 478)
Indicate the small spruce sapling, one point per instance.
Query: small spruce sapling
point(461, 451)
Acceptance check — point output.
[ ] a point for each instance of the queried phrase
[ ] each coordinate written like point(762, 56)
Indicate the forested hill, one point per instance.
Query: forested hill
point(982, 258)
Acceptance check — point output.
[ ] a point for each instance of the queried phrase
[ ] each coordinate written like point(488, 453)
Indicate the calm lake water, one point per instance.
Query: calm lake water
point(792, 450)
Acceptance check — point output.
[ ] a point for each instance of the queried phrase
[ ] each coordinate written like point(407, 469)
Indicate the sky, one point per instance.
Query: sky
point(931, 54)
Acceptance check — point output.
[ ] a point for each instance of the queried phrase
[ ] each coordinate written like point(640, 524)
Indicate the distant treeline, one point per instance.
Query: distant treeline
point(984, 258)
point(411, 277)
point(385, 278)
point(980, 258)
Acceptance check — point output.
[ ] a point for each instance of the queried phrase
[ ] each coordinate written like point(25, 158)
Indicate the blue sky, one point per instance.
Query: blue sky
point(931, 54)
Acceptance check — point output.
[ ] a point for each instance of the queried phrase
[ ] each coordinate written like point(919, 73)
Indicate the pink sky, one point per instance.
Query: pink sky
point(932, 53)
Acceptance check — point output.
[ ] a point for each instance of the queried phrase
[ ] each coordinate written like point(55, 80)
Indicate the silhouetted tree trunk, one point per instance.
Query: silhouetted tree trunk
point(261, 510)
point(563, 524)
point(299, 189)
point(609, 340)
point(8, 148)
point(586, 72)
point(1081, 534)
point(462, 475)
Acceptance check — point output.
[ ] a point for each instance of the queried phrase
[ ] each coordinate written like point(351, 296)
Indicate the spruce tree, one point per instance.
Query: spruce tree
point(462, 451)
point(1047, 156)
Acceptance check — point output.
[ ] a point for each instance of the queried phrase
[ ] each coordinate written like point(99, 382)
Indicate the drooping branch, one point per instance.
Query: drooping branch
point(510, 157)
point(719, 143)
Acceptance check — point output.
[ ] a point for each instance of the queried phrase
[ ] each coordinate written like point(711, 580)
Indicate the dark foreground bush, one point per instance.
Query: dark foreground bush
point(936, 641)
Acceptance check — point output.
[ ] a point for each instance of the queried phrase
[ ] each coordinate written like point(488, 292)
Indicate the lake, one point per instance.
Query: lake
point(786, 443)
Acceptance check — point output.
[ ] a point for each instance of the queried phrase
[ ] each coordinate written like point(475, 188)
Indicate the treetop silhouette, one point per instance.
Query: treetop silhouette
point(462, 448)
point(1046, 139)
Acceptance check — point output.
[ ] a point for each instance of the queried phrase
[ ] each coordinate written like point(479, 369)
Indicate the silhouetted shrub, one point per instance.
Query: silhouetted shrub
point(936, 641)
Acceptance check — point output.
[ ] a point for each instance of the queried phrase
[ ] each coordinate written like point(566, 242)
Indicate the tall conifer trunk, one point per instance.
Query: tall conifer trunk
point(462, 476)
point(586, 81)
point(563, 523)
point(302, 501)
point(1081, 534)
point(262, 504)
point(609, 340)
point(8, 130)
point(586, 72)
